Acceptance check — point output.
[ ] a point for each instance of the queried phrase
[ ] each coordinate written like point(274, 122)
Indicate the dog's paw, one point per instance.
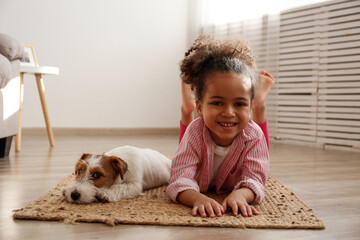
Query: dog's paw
point(101, 198)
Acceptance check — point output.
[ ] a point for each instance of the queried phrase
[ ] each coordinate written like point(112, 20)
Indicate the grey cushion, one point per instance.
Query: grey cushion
point(5, 71)
point(10, 47)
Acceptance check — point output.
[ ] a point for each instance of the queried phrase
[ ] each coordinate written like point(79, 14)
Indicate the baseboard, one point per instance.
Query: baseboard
point(102, 131)
point(314, 145)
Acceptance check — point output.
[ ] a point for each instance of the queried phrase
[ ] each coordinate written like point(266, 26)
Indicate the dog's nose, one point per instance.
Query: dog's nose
point(75, 195)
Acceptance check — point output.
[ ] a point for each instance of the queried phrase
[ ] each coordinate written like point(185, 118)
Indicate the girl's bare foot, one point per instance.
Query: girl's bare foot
point(188, 104)
point(263, 86)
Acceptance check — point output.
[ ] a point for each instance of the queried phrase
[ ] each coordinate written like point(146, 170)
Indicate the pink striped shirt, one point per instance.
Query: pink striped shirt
point(246, 164)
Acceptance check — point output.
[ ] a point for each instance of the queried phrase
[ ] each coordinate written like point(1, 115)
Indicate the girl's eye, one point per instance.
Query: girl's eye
point(217, 103)
point(239, 104)
point(96, 175)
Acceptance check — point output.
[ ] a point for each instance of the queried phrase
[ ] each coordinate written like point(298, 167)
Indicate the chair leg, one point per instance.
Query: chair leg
point(5, 145)
point(18, 136)
point(41, 88)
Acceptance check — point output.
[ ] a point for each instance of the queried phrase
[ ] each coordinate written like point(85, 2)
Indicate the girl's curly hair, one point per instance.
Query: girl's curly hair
point(208, 55)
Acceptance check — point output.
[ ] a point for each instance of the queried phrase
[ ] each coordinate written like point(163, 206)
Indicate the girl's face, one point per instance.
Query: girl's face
point(226, 106)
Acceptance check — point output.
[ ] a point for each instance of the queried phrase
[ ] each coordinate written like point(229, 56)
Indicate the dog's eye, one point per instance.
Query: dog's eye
point(96, 175)
point(78, 172)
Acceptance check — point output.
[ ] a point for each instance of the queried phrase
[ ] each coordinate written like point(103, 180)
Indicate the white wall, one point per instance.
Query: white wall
point(118, 60)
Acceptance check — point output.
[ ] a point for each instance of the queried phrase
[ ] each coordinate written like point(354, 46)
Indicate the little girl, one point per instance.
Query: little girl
point(223, 148)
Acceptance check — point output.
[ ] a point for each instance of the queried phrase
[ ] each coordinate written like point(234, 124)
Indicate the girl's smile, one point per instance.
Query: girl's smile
point(227, 124)
point(225, 106)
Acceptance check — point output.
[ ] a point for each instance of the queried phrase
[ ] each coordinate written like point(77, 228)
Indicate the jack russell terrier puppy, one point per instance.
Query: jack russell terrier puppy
point(123, 172)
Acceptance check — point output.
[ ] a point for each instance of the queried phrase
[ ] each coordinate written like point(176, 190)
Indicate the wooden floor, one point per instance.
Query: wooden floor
point(327, 180)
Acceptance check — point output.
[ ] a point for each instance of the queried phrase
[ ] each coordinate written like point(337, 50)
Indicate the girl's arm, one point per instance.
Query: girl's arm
point(255, 169)
point(183, 187)
point(250, 187)
point(184, 165)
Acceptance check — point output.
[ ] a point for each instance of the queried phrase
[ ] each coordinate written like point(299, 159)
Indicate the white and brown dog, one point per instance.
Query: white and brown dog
point(120, 173)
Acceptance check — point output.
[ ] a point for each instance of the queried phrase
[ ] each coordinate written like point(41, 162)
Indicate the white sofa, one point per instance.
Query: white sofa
point(11, 51)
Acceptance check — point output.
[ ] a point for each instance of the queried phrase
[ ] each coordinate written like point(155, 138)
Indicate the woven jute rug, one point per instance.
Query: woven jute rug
point(281, 208)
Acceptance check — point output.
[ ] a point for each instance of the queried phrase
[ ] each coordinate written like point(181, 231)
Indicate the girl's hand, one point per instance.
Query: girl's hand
point(207, 205)
point(201, 204)
point(238, 200)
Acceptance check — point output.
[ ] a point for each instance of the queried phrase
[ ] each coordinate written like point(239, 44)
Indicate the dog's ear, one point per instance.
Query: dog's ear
point(81, 165)
point(119, 165)
point(85, 156)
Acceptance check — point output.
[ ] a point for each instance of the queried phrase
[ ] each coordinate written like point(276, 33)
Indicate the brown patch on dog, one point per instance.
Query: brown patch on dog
point(101, 177)
point(81, 165)
point(86, 156)
point(106, 175)
point(119, 165)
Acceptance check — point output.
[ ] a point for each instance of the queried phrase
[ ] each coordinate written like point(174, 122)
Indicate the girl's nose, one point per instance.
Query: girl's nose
point(229, 111)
